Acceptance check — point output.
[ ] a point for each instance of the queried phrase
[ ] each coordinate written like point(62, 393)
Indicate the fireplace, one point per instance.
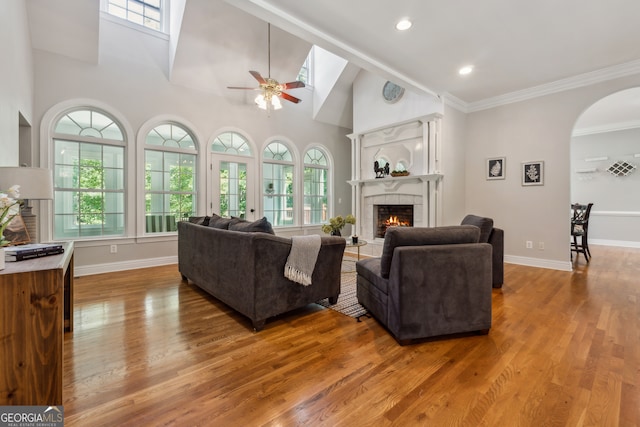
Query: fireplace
point(386, 216)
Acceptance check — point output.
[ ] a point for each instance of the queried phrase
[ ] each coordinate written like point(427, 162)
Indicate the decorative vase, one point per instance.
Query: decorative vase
point(336, 233)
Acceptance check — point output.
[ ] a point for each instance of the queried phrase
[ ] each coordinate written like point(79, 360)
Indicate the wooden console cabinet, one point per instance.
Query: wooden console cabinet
point(36, 308)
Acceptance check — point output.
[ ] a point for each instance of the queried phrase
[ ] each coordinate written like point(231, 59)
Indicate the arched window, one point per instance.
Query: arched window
point(277, 184)
point(89, 171)
point(316, 172)
point(170, 177)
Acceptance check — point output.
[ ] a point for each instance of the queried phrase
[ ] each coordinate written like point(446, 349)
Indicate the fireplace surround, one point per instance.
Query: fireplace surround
point(413, 146)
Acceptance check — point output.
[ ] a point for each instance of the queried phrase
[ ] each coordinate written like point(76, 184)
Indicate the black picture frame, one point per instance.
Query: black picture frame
point(496, 168)
point(533, 173)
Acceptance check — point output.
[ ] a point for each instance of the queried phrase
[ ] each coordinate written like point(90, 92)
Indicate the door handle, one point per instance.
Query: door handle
point(252, 210)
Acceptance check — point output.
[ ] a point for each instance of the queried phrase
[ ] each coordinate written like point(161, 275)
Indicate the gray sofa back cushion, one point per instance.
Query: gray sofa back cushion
point(261, 225)
point(485, 225)
point(420, 236)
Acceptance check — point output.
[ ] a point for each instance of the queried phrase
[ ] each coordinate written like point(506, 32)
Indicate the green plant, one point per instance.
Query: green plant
point(337, 223)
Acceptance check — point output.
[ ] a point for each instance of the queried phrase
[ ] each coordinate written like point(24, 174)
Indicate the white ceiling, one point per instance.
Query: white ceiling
point(514, 45)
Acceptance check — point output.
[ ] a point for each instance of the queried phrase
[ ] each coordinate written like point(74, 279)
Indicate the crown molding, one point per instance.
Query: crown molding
point(581, 80)
point(455, 102)
point(611, 127)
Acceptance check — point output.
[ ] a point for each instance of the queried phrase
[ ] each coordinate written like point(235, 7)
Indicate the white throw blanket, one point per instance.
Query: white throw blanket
point(302, 259)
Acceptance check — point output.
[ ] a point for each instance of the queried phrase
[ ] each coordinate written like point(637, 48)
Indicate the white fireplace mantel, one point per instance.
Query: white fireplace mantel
point(393, 181)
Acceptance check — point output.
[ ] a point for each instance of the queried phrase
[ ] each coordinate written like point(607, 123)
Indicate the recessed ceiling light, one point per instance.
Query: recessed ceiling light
point(403, 24)
point(467, 69)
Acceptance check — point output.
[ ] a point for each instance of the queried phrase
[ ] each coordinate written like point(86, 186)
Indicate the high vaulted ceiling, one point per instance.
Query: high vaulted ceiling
point(514, 46)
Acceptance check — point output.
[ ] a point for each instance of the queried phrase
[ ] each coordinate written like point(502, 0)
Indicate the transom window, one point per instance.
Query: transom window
point(147, 13)
point(316, 171)
point(277, 177)
point(170, 177)
point(89, 186)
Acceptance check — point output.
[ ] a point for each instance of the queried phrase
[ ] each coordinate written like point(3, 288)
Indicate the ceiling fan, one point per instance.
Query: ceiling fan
point(270, 89)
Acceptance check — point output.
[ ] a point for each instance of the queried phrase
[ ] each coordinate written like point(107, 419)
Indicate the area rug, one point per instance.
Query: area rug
point(347, 301)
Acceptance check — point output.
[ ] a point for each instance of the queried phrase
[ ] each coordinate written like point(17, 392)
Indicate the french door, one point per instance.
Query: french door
point(233, 187)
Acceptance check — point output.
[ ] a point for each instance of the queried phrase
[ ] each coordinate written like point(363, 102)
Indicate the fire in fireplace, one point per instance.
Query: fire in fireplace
point(392, 216)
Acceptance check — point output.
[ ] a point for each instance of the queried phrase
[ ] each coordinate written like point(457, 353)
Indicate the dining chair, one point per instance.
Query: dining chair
point(580, 230)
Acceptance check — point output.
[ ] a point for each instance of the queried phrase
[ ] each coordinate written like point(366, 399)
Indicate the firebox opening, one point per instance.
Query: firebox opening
point(386, 216)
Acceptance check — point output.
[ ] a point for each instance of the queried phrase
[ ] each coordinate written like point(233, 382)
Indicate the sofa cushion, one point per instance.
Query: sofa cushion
point(485, 225)
point(262, 225)
point(420, 236)
point(216, 221)
point(369, 268)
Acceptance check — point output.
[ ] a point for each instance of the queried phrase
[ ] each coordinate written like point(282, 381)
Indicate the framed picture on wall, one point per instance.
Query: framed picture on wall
point(496, 168)
point(533, 173)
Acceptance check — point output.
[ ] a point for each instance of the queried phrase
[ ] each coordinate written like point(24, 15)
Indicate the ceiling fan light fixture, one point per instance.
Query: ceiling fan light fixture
point(261, 101)
point(275, 103)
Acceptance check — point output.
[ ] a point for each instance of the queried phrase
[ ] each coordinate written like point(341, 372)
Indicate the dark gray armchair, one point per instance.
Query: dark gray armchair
point(495, 237)
point(428, 282)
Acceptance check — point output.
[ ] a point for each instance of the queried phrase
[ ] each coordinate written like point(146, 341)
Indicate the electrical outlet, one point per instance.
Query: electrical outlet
point(529, 244)
point(114, 249)
point(541, 246)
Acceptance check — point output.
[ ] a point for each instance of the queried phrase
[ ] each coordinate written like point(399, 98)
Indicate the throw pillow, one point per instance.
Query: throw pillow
point(199, 220)
point(262, 226)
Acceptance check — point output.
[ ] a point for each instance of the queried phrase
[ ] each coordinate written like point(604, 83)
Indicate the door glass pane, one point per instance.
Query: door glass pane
point(233, 189)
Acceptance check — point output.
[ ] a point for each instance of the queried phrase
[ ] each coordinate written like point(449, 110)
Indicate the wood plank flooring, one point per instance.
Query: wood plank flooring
point(151, 350)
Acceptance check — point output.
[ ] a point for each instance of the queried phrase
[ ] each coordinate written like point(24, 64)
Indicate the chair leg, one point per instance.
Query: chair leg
point(585, 246)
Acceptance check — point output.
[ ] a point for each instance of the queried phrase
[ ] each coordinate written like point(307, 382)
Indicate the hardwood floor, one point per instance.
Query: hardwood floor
point(564, 350)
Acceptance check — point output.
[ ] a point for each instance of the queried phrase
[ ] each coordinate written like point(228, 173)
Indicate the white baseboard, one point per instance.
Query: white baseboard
point(123, 265)
point(537, 262)
point(619, 243)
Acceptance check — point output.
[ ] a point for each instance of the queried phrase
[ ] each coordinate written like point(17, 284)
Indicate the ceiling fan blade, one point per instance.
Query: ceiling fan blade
point(239, 87)
point(290, 98)
point(258, 77)
point(293, 85)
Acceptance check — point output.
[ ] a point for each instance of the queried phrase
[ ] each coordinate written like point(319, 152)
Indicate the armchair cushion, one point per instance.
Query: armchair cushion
point(421, 236)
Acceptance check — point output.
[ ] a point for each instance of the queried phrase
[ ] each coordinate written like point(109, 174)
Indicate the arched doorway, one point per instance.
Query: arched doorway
point(605, 161)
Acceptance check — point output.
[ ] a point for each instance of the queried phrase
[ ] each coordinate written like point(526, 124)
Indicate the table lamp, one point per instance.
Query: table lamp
point(35, 184)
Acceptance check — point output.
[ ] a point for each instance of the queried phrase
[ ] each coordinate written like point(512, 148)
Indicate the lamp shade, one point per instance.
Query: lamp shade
point(35, 183)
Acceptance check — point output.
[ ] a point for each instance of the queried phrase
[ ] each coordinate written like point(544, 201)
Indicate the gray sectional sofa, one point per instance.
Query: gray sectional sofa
point(244, 267)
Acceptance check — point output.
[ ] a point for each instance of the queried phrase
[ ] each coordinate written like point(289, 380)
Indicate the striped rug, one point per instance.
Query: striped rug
point(347, 301)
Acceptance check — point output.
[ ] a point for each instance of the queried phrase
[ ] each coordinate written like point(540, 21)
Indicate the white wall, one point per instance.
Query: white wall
point(16, 78)
point(615, 216)
point(536, 129)
point(131, 79)
point(371, 111)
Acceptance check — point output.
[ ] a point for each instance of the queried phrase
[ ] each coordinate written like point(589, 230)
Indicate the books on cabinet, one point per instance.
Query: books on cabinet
point(34, 250)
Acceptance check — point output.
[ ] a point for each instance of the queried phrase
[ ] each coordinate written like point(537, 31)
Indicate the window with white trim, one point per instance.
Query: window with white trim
point(277, 184)
point(316, 201)
point(89, 171)
point(148, 13)
point(170, 177)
